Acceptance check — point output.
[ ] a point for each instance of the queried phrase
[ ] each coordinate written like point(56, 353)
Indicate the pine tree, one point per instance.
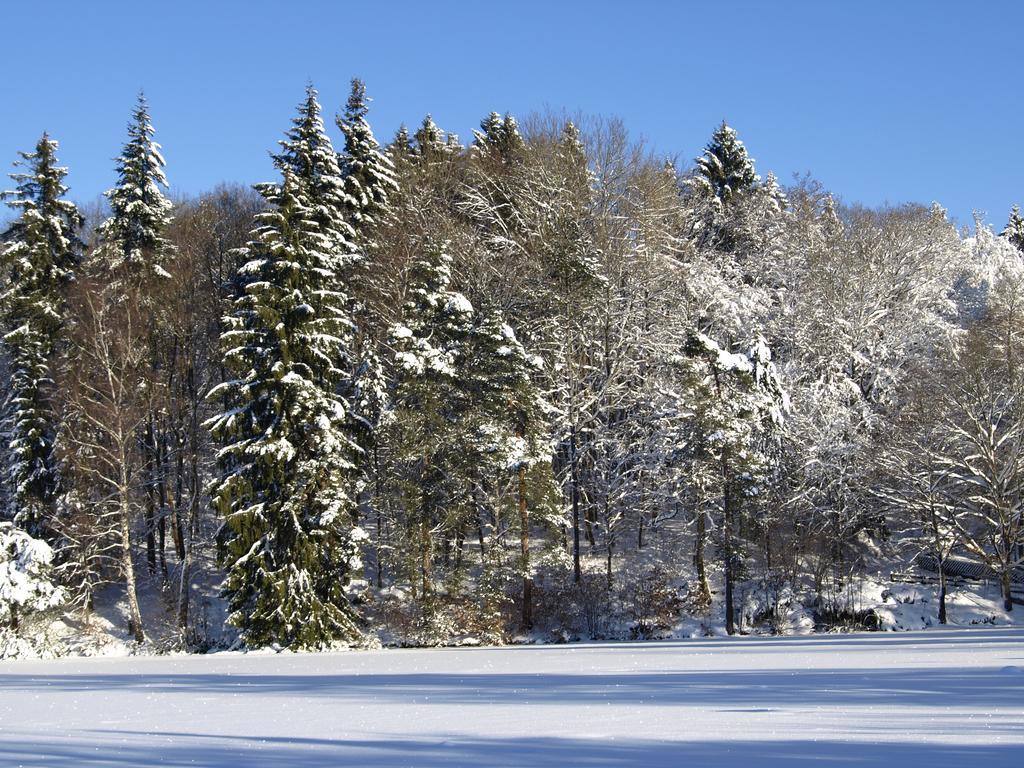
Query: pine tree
point(41, 253)
point(368, 172)
point(26, 577)
point(288, 461)
point(133, 239)
point(725, 170)
point(1014, 231)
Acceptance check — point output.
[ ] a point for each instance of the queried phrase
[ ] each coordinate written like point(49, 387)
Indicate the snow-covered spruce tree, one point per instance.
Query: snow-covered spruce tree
point(134, 255)
point(499, 137)
point(133, 242)
point(723, 178)
point(288, 459)
point(26, 576)
point(309, 157)
point(369, 179)
point(1014, 231)
point(368, 171)
point(511, 438)
point(725, 170)
point(41, 251)
point(427, 419)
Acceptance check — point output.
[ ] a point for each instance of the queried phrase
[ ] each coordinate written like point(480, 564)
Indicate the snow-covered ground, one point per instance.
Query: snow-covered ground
point(934, 698)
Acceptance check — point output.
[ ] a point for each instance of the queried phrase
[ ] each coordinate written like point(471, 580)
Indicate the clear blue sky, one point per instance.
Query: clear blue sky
point(883, 101)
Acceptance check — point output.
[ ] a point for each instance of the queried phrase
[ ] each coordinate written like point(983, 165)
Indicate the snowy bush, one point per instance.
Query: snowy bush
point(651, 603)
point(25, 586)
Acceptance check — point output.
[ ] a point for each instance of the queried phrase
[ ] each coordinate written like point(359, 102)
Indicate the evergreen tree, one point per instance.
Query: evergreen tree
point(725, 170)
point(499, 137)
point(308, 156)
point(369, 173)
point(133, 240)
point(401, 145)
point(738, 406)
point(41, 252)
point(1014, 231)
point(288, 461)
point(509, 438)
point(429, 139)
point(428, 411)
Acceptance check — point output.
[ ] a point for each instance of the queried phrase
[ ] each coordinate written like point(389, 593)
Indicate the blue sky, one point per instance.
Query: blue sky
point(881, 101)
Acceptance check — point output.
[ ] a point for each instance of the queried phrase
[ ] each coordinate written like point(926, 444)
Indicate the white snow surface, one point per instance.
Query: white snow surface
point(933, 698)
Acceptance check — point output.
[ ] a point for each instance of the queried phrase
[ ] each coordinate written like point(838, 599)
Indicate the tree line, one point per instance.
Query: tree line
point(434, 389)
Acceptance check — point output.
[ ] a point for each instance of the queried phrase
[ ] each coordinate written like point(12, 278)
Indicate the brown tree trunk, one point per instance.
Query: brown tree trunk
point(575, 481)
point(524, 547)
point(699, 562)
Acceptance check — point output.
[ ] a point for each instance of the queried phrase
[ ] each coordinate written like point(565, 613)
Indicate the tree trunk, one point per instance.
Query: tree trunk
point(1004, 579)
point(150, 469)
point(188, 540)
point(524, 548)
point(730, 623)
point(699, 544)
point(378, 497)
point(942, 591)
point(134, 613)
point(575, 479)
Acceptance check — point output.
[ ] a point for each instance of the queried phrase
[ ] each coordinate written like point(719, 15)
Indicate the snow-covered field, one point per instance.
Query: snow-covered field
point(934, 698)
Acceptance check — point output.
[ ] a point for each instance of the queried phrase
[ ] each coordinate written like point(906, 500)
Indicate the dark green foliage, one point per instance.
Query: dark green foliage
point(1014, 231)
point(368, 172)
point(288, 461)
point(133, 240)
point(725, 169)
point(40, 254)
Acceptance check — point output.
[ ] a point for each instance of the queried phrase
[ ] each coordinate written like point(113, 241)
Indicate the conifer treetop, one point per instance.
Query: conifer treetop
point(308, 155)
point(133, 236)
point(725, 169)
point(368, 172)
point(1014, 231)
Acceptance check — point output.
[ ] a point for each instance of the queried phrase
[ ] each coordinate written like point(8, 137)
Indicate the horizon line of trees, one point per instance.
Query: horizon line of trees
point(444, 388)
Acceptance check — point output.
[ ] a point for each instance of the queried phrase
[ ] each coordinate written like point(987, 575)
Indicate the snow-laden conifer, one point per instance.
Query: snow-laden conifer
point(308, 155)
point(288, 460)
point(133, 239)
point(1014, 231)
point(725, 169)
point(368, 171)
point(40, 254)
point(26, 576)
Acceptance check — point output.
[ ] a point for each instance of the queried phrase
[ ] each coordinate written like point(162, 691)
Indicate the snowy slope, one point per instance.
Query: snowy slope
point(933, 698)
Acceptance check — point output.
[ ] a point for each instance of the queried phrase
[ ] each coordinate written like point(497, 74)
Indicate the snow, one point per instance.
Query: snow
point(935, 698)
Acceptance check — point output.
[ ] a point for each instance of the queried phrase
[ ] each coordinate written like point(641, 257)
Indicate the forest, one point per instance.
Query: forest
point(542, 384)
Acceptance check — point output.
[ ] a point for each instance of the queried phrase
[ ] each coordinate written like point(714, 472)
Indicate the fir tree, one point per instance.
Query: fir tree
point(288, 461)
point(1014, 231)
point(42, 251)
point(725, 170)
point(369, 173)
point(133, 239)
